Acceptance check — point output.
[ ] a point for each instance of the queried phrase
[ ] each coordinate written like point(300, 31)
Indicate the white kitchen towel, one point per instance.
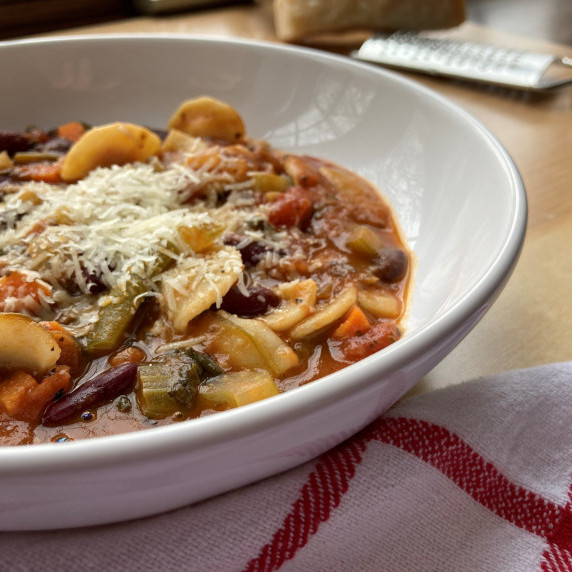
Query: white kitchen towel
point(476, 476)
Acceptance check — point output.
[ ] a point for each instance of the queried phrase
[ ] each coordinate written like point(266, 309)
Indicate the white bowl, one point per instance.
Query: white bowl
point(457, 194)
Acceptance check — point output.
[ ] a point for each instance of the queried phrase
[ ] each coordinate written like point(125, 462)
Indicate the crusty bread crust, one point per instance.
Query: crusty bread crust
point(297, 19)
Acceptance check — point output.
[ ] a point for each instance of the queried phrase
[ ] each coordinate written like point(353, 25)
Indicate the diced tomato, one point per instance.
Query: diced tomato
point(376, 338)
point(24, 399)
point(16, 291)
point(295, 207)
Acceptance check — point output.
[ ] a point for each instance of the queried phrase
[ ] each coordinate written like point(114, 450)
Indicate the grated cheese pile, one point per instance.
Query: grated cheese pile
point(113, 224)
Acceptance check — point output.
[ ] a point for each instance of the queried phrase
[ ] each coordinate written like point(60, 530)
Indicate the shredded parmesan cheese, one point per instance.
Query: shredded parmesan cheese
point(85, 238)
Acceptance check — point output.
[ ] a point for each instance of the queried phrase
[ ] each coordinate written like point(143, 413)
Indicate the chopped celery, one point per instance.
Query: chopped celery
point(365, 241)
point(169, 383)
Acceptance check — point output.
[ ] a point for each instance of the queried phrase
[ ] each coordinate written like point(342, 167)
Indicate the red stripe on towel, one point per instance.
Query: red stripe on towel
point(322, 492)
point(446, 452)
point(558, 555)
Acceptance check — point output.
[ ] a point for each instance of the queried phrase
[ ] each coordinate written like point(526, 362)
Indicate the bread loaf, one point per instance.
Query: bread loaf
point(297, 19)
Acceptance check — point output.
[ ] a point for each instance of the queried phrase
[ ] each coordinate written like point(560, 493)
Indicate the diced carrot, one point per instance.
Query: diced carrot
point(48, 389)
point(70, 350)
point(71, 131)
point(24, 399)
point(42, 171)
point(376, 338)
point(17, 292)
point(13, 392)
point(354, 324)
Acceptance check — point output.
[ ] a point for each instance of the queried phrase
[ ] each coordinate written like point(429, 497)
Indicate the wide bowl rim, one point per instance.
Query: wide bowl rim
point(287, 407)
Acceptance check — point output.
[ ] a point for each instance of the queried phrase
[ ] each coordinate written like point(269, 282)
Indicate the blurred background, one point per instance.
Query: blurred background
point(540, 19)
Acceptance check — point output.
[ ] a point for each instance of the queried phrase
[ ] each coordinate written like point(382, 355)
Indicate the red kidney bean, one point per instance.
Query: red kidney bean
point(94, 283)
point(9, 218)
point(390, 265)
point(259, 301)
point(13, 141)
point(99, 390)
point(252, 253)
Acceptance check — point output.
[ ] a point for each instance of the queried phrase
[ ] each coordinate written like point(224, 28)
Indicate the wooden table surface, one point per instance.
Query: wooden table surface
point(530, 322)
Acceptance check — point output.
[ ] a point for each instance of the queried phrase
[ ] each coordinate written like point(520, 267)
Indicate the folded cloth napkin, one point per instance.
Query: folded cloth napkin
point(472, 477)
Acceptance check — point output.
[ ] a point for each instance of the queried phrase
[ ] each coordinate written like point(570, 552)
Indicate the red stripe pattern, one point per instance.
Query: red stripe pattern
point(323, 492)
point(446, 452)
point(558, 555)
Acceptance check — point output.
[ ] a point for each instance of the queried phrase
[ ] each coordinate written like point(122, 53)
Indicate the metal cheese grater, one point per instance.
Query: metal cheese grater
point(467, 60)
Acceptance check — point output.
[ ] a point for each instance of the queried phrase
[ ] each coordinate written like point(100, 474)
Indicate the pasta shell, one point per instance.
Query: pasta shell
point(112, 144)
point(24, 344)
point(197, 283)
point(208, 117)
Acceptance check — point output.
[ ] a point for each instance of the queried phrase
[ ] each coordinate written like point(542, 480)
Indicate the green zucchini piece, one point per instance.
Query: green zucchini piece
point(114, 318)
point(237, 388)
point(209, 367)
point(26, 157)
